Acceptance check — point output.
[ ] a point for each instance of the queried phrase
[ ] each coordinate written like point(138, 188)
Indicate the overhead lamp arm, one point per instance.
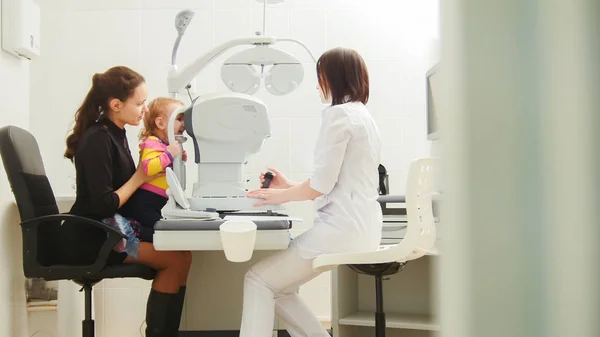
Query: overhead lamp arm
point(177, 80)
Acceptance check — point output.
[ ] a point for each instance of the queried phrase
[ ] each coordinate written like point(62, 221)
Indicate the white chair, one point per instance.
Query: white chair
point(418, 241)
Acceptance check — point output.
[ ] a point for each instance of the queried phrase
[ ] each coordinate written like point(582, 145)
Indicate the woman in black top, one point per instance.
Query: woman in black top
point(106, 178)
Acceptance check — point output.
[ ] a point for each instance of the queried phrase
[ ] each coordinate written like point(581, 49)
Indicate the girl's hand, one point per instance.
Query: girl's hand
point(270, 196)
point(174, 149)
point(279, 181)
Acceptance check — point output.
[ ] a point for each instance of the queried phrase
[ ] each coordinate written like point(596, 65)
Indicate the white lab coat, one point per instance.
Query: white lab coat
point(348, 219)
point(346, 160)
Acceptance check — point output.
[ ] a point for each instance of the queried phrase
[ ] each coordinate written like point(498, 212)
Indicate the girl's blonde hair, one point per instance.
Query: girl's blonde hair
point(156, 108)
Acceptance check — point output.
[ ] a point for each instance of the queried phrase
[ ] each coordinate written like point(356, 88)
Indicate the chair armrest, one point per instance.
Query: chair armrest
point(65, 216)
point(30, 229)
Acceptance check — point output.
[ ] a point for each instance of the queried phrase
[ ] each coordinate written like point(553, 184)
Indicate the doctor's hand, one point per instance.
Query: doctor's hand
point(270, 196)
point(184, 155)
point(279, 179)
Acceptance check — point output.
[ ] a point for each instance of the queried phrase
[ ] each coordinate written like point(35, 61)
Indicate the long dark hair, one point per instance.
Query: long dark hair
point(117, 82)
point(343, 76)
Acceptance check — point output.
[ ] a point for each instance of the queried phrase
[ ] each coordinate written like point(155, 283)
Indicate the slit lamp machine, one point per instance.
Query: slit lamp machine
point(227, 128)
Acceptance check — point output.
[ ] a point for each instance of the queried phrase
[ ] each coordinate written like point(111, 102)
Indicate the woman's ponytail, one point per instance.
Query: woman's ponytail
point(88, 112)
point(117, 82)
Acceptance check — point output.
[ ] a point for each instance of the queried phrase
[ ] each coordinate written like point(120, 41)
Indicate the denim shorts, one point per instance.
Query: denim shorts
point(131, 229)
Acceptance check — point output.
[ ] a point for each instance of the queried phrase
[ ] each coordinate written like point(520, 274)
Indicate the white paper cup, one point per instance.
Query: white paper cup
point(238, 238)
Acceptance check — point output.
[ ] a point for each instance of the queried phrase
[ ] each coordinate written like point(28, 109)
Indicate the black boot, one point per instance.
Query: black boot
point(157, 314)
point(175, 312)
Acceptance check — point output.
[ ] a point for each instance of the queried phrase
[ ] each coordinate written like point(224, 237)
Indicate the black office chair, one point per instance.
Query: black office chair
point(41, 223)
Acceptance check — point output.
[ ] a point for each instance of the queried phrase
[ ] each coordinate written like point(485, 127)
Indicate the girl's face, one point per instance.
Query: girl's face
point(131, 112)
point(178, 126)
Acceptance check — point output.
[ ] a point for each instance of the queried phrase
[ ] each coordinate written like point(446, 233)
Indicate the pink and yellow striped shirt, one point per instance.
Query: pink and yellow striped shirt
point(155, 159)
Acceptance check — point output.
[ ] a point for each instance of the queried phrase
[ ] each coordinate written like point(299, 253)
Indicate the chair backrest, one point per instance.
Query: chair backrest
point(34, 196)
point(420, 234)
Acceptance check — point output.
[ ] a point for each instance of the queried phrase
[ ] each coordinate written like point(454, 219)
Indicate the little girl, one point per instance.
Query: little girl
point(156, 155)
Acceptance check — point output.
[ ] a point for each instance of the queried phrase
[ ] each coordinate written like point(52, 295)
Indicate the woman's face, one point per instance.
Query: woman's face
point(323, 95)
point(133, 109)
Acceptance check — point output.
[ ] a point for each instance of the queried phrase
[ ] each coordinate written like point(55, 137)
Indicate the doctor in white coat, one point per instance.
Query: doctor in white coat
point(344, 188)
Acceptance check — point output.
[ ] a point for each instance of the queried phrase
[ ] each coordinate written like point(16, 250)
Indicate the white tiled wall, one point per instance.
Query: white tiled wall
point(81, 37)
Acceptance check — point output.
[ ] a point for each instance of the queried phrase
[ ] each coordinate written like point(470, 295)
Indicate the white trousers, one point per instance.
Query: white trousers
point(270, 288)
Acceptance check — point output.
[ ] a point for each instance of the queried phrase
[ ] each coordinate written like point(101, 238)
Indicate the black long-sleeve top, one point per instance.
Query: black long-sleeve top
point(103, 164)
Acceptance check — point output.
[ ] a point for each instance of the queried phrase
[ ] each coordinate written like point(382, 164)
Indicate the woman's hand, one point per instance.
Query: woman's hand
point(279, 179)
point(184, 155)
point(270, 196)
point(141, 176)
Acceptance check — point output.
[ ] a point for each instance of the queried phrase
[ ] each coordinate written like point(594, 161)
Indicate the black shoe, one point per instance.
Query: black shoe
point(157, 314)
point(175, 312)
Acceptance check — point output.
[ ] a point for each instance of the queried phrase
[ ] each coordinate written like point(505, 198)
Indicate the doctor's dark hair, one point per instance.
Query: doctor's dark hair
point(343, 76)
point(117, 82)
